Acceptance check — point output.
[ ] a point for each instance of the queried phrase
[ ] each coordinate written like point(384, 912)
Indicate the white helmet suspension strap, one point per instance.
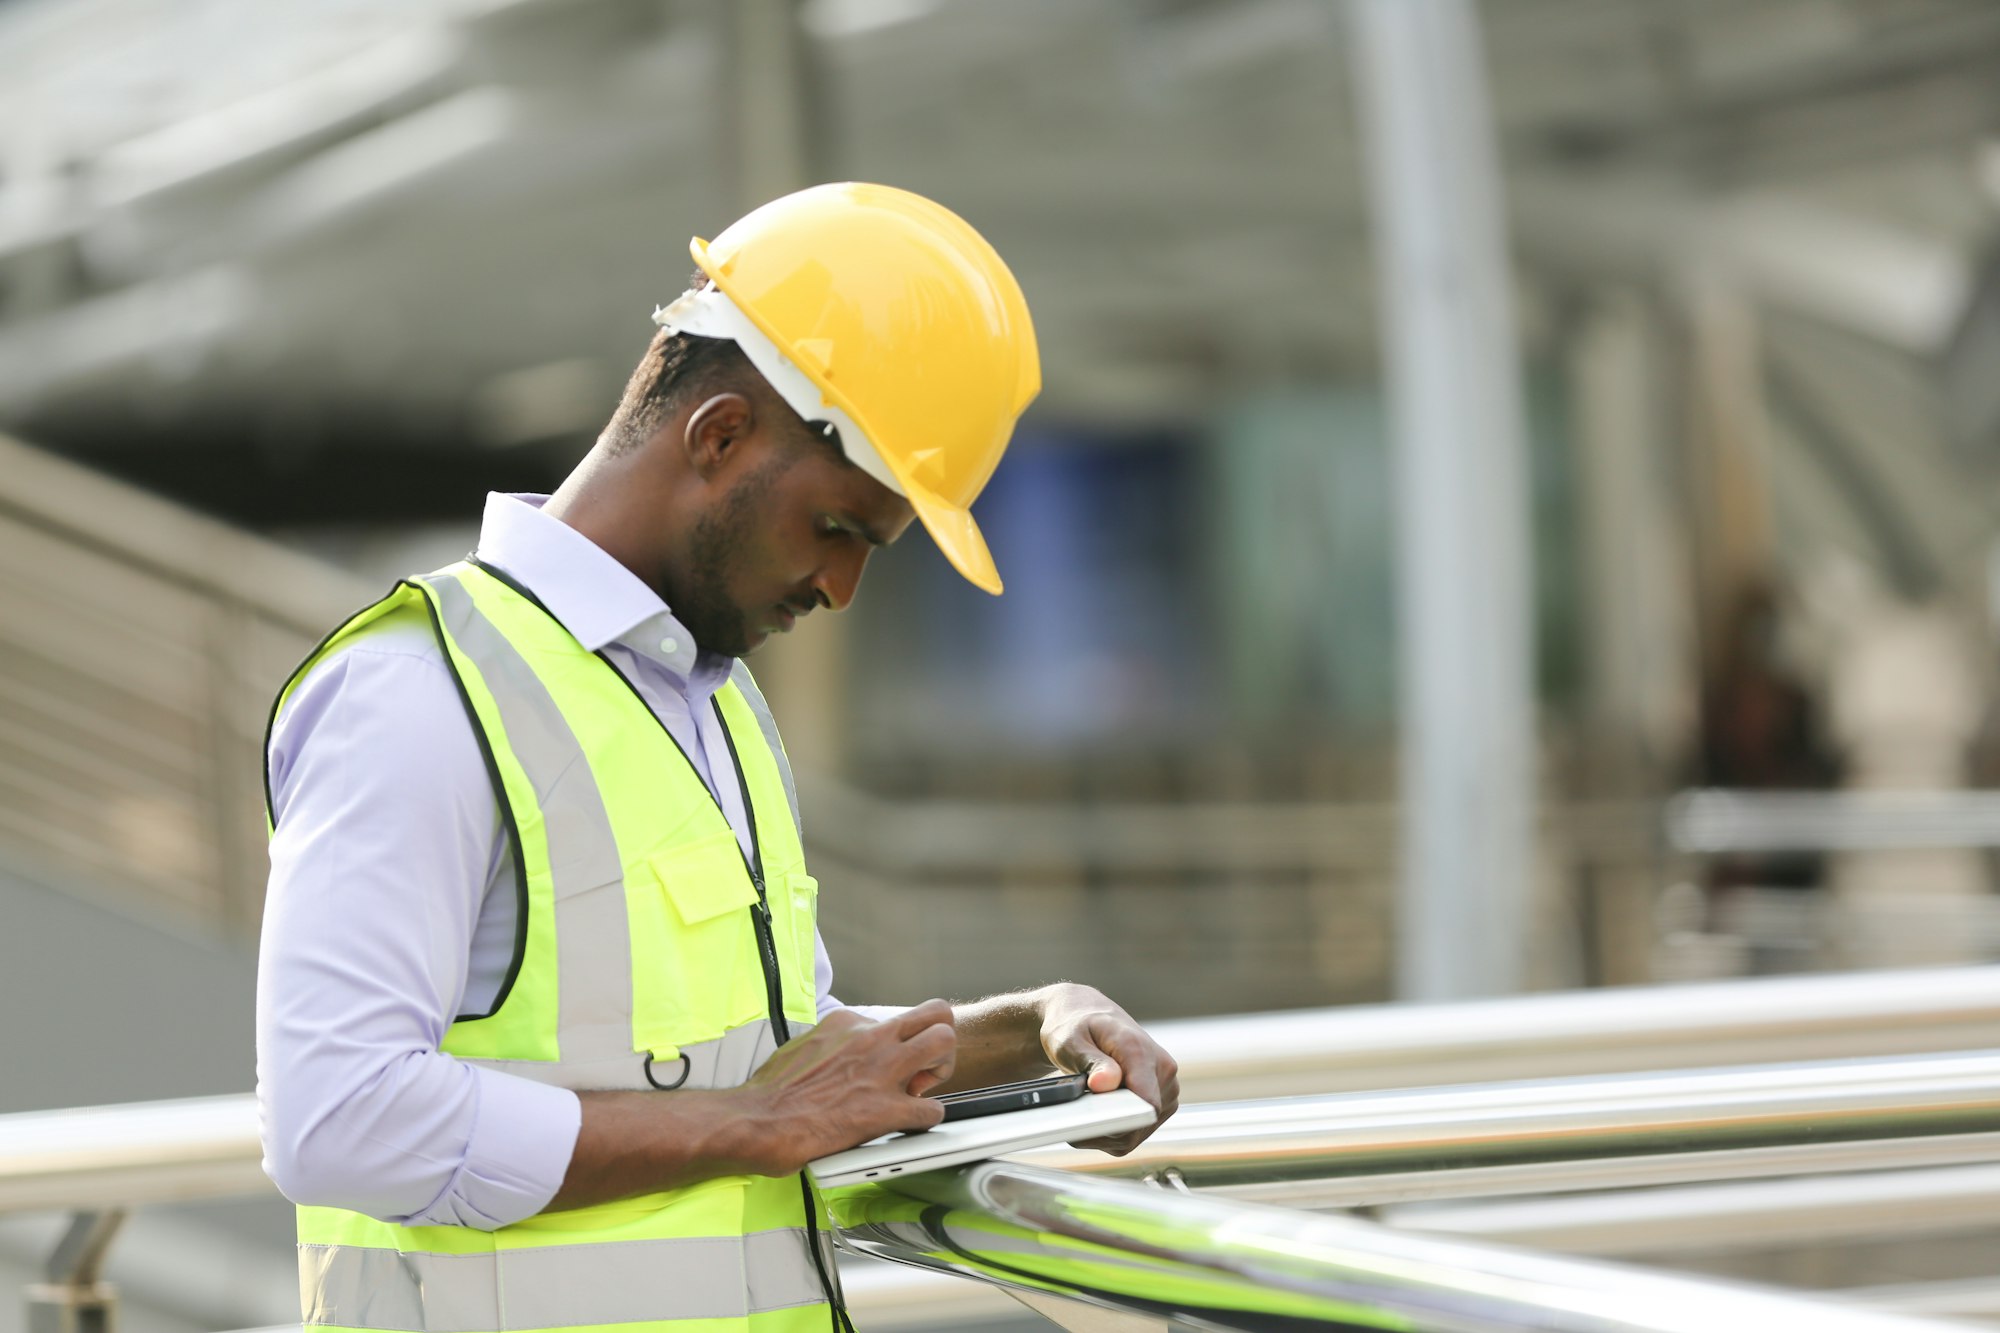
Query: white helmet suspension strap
point(709, 313)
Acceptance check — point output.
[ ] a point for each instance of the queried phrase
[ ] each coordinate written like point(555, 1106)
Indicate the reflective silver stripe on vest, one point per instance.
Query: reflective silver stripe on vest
point(557, 1286)
point(594, 1000)
point(740, 676)
point(725, 1062)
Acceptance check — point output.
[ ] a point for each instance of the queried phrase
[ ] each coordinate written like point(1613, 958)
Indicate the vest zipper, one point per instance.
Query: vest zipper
point(767, 945)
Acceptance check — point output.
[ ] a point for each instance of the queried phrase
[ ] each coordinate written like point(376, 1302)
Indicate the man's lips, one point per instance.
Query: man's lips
point(788, 613)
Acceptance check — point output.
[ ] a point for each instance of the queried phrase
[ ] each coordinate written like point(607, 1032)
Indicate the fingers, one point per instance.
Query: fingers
point(1152, 1073)
point(925, 1058)
point(912, 1021)
point(925, 1046)
point(1148, 1071)
point(1084, 1056)
point(1147, 1068)
point(852, 1079)
point(922, 1113)
point(1117, 1145)
point(933, 1051)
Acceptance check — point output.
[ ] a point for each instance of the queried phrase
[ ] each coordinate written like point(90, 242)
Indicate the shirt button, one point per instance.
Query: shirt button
point(670, 646)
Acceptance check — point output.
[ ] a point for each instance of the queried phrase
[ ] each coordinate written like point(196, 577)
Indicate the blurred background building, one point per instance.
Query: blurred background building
point(284, 289)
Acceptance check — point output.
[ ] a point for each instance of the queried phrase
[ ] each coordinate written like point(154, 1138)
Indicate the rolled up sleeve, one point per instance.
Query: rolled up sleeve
point(385, 841)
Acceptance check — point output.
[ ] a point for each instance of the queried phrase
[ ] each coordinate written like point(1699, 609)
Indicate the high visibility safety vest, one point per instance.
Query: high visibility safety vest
point(650, 954)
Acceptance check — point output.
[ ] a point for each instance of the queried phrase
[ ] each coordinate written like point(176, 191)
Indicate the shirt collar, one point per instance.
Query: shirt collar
point(596, 598)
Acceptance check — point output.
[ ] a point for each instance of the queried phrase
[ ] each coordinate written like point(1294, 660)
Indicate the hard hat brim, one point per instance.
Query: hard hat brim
point(957, 535)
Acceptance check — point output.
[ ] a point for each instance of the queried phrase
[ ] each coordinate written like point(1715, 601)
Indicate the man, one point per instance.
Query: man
point(545, 1035)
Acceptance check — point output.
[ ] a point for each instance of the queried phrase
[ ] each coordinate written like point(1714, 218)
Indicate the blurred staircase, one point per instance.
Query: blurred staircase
point(140, 647)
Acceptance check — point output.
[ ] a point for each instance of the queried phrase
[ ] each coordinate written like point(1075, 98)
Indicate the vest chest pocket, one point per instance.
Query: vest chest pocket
point(695, 970)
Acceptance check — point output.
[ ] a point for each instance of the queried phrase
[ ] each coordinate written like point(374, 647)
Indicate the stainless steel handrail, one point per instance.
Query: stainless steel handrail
point(123, 1156)
point(1128, 1247)
point(1586, 1032)
point(1555, 1134)
point(1669, 1219)
point(1345, 1148)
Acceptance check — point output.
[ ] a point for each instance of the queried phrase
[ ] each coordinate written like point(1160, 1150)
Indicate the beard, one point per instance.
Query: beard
point(705, 606)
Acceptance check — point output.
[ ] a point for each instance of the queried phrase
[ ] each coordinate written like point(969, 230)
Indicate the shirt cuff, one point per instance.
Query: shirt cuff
point(520, 1149)
point(879, 1012)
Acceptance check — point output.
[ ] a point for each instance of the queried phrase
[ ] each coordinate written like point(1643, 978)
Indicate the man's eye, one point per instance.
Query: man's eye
point(831, 526)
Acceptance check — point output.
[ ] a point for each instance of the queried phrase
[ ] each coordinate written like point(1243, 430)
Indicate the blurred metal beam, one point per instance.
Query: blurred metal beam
point(1715, 822)
point(1895, 88)
point(1871, 277)
point(1467, 703)
point(1975, 1299)
point(1733, 519)
point(75, 1298)
point(766, 99)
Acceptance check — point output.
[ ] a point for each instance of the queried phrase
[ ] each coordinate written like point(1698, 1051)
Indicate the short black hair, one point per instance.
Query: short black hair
point(678, 368)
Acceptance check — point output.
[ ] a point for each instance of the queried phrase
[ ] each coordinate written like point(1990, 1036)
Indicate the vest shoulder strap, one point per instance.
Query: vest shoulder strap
point(405, 599)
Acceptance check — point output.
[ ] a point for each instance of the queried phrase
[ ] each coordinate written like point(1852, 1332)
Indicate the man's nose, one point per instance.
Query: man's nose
point(838, 578)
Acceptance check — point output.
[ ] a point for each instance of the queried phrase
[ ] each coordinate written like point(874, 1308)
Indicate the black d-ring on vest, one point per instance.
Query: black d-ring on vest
point(687, 1067)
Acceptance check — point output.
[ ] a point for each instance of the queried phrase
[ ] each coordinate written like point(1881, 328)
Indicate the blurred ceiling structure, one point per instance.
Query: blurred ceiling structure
point(444, 224)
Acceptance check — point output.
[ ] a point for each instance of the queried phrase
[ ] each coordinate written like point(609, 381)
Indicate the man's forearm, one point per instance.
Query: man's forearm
point(644, 1142)
point(1000, 1039)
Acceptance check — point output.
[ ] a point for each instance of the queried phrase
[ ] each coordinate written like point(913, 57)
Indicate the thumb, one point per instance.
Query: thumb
point(1103, 1071)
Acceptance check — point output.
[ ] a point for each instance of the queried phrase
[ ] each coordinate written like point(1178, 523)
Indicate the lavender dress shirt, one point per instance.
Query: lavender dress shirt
point(391, 902)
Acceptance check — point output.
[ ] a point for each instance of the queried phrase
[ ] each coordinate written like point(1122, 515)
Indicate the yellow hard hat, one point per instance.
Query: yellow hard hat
point(888, 316)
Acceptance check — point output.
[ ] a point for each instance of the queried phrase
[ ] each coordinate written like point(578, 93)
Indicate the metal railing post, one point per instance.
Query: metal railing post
point(76, 1299)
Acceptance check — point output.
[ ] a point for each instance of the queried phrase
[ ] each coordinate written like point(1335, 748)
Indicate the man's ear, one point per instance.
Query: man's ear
point(715, 433)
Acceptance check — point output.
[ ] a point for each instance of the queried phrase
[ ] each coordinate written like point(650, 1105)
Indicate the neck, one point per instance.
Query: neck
point(610, 501)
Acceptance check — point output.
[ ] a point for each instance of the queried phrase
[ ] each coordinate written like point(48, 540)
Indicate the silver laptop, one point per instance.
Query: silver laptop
point(958, 1141)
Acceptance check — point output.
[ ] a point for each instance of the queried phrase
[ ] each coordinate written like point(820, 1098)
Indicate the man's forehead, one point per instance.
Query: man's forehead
point(880, 513)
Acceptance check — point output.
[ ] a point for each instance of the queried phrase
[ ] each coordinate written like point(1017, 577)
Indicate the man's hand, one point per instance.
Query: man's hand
point(850, 1080)
point(1083, 1032)
point(1074, 1028)
point(845, 1082)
